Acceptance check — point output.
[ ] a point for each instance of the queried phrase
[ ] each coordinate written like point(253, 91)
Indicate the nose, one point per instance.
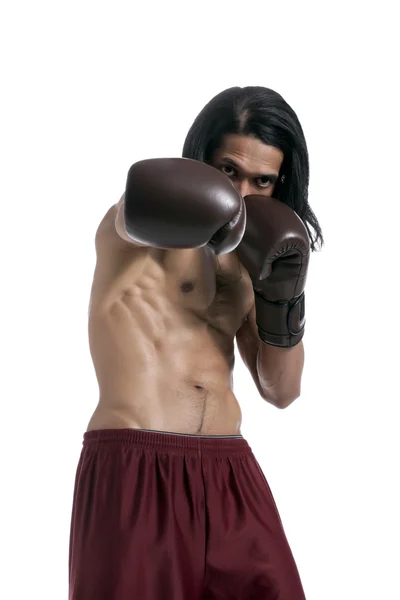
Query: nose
point(243, 187)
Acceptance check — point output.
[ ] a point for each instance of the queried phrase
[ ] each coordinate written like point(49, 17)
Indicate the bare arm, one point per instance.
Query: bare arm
point(120, 223)
point(276, 371)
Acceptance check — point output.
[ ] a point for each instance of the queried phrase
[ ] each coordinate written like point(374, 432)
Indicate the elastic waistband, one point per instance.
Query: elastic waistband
point(161, 440)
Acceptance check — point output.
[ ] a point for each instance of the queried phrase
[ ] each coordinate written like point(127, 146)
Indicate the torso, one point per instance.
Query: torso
point(162, 325)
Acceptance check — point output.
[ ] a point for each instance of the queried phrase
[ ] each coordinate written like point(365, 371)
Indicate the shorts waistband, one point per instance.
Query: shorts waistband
point(166, 440)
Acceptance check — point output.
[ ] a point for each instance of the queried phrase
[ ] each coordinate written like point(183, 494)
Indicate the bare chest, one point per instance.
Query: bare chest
point(215, 289)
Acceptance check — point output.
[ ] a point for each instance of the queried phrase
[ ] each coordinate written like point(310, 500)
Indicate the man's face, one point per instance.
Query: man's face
point(252, 165)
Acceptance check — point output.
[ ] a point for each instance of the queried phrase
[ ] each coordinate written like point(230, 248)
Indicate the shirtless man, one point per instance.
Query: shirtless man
point(169, 500)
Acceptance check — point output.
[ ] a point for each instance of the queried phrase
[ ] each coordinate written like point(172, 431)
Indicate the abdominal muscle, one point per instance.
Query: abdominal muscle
point(163, 361)
point(181, 383)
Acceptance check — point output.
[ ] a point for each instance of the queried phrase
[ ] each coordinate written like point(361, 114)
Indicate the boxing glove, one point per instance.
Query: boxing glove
point(275, 250)
point(183, 203)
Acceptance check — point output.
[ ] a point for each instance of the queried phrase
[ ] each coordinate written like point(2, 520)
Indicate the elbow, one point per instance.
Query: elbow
point(286, 401)
point(282, 399)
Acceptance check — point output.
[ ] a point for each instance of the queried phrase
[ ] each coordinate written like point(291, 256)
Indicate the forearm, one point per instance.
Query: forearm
point(279, 372)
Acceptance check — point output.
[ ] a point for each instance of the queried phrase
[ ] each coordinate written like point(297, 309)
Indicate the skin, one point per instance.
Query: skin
point(162, 323)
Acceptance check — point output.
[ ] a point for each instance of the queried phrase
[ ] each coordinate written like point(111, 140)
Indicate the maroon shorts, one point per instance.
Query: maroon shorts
point(175, 517)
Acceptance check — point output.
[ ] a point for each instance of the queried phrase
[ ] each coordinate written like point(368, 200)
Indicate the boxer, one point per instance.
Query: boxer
point(200, 251)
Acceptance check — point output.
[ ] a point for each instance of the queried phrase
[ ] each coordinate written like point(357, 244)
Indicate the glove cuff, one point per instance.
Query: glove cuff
point(280, 323)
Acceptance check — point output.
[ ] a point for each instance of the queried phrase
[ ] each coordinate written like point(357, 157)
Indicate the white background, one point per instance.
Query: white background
point(88, 88)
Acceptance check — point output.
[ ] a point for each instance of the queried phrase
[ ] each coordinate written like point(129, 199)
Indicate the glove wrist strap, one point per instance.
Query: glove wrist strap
point(280, 323)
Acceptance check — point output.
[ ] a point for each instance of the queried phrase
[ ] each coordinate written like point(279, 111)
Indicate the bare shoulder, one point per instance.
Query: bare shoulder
point(107, 224)
point(107, 234)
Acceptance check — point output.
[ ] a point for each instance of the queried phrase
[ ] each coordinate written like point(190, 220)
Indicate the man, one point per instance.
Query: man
point(169, 500)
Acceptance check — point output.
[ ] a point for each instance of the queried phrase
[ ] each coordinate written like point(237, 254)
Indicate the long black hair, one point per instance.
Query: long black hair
point(261, 113)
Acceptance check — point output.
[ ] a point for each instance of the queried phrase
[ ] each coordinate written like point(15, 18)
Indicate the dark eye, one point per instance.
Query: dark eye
point(263, 182)
point(228, 170)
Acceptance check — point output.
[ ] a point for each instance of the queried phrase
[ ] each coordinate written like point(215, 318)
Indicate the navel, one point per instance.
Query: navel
point(187, 286)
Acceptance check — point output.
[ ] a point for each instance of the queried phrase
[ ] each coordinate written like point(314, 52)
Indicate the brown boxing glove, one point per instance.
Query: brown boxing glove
point(275, 250)
point(183, 203)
